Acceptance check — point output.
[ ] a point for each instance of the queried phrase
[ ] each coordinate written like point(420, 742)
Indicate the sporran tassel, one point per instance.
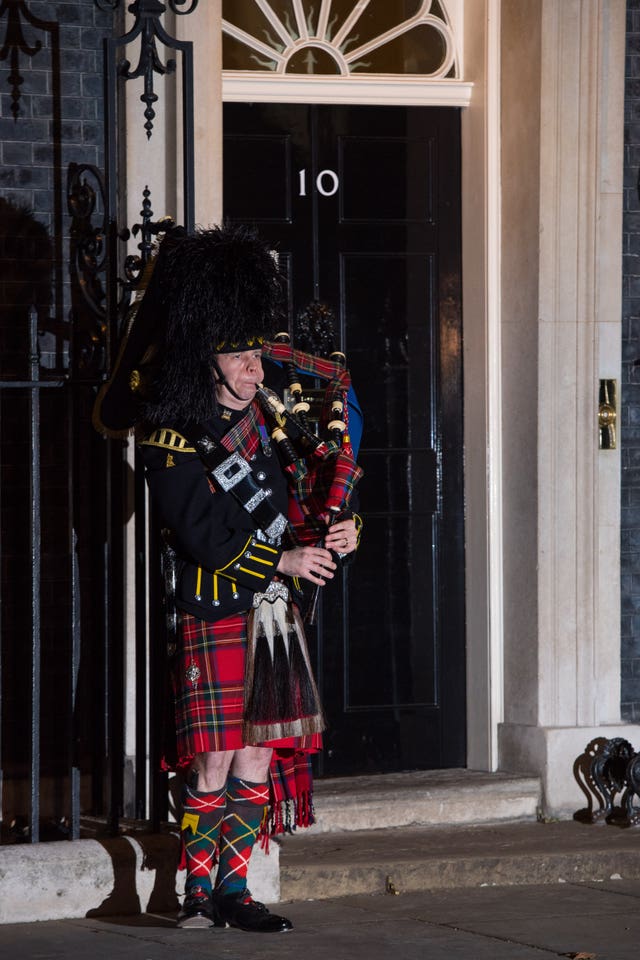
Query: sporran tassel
point(264, 700)
point(279, 676)
point(281, 671)
point(302, 691)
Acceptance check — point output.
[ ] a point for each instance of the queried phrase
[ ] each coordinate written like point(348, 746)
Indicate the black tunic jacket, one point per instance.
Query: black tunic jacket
point(222, 559)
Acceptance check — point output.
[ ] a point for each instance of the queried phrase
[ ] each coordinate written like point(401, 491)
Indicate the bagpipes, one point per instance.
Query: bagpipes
point(322, 468)
point(282, 696)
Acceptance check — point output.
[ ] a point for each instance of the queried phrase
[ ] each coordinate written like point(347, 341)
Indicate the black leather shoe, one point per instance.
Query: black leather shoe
point(240, 910)
point(197, 910)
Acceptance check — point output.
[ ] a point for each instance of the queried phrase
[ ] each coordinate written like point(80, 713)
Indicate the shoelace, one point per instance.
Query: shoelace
point(197, 893)
point(254, 903)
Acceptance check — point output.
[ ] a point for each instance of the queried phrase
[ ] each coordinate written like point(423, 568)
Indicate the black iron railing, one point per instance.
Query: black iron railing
point(70, 498)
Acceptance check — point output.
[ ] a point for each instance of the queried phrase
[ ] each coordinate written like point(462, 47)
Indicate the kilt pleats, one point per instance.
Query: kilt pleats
point(208, 685)
point(207, 681)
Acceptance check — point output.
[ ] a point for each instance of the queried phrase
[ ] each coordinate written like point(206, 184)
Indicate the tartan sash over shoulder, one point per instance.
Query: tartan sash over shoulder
point(243, 438)
point(323, 482)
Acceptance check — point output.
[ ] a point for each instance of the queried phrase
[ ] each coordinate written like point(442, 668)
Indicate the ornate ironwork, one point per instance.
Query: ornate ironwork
point(607, 769)
point(148, 27)
point(103, 277)
point(633, 791)
point(174, 5)
point(135, 263)
point(87, 240)
point(86, 201)
point(314, 329)
point(15, 43)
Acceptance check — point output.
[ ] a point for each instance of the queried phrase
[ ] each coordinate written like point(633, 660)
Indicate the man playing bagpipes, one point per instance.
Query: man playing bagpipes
point(247, 711)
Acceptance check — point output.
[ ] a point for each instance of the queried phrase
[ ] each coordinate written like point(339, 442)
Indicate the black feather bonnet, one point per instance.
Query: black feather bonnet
point(215, 291)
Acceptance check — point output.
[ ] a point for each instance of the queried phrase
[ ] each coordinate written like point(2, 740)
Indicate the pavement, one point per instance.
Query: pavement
point(589, 921)
point(513, 889)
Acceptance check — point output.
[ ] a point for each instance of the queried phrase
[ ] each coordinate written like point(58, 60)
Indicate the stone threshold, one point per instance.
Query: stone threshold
point(410, 859)
point(425, 797)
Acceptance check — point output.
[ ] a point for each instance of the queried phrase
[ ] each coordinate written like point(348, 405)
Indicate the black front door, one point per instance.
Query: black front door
point(363, 204)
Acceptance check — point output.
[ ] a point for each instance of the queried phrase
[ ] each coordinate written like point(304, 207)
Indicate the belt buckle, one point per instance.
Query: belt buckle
point(231, 471)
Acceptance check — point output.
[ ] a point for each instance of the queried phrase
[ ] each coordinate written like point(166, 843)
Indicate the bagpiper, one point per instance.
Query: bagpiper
point(188, 383)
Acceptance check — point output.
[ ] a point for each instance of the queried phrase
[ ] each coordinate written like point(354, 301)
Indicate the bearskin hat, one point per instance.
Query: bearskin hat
point(211, 292)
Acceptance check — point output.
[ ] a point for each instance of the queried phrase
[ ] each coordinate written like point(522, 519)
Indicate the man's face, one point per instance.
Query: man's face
point(242, 371)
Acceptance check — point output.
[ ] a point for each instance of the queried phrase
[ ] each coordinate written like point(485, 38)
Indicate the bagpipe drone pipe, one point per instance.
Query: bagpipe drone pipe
point(323, 474)
point(321, 464)
point(322, 468)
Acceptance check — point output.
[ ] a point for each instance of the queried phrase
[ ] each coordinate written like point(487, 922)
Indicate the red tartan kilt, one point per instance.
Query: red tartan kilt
point(208, 690)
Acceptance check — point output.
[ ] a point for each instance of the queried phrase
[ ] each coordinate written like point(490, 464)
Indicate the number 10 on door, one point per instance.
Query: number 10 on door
point(327, 183)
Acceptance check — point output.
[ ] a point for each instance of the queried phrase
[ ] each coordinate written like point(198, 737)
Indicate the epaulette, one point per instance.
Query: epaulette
point(168, 440)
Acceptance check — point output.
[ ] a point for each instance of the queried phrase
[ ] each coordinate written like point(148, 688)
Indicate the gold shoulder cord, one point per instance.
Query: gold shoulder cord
point(168, 440)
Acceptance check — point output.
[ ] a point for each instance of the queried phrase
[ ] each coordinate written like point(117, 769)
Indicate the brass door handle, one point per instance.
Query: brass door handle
point(607, 415)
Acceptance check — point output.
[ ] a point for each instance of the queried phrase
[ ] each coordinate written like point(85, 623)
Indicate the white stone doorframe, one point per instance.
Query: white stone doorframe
point(535, 719)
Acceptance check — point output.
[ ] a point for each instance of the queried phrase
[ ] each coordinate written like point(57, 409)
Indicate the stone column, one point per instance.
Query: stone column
point(204, 28)
point(566, 691)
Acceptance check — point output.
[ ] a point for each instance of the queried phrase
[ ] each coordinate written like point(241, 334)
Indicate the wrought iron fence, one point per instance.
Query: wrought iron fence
point(81, 626)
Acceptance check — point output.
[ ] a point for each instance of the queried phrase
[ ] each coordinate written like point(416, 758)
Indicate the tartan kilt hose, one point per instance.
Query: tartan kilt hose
point(208, 673)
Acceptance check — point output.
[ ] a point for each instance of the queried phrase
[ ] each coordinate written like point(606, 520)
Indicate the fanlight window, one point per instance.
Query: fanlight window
point(339, 37)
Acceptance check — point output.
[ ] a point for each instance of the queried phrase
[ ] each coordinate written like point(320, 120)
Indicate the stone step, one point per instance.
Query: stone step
point(409, 859)
point(104, 876)
point(424, 798)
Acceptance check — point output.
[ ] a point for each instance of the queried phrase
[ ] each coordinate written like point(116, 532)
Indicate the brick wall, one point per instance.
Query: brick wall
point(630, 388)
point(58, 121)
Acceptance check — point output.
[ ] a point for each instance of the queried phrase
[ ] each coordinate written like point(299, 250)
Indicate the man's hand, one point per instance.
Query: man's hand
point(342, 537)
point(311, 563)
point(315, 563)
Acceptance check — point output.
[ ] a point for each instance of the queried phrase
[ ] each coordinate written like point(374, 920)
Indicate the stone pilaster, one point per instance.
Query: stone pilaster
point(569, 691)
